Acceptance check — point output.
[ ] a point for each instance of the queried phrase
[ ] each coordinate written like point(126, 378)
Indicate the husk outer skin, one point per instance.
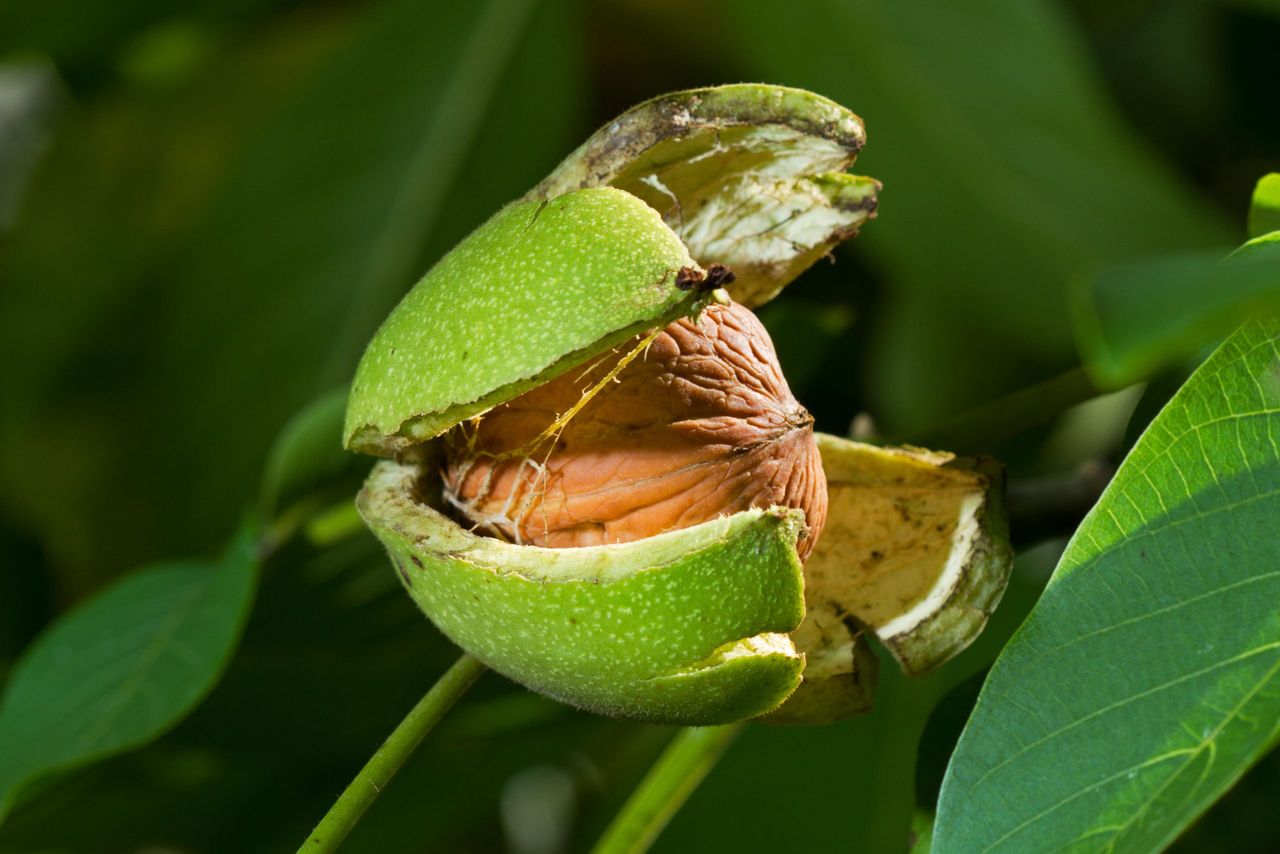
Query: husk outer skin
point(538, 288)
point(626, 630)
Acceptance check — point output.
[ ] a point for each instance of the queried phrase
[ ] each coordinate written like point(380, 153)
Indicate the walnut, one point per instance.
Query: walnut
point(698, 422)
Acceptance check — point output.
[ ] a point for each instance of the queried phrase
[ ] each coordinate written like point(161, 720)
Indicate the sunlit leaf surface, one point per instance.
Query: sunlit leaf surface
point(1147, 679)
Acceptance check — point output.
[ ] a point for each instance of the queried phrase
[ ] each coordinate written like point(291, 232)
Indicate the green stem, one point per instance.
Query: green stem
point(683, 765)
point(342, 817)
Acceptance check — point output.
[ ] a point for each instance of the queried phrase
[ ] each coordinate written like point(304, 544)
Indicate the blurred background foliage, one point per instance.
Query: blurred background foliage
point(207, 207)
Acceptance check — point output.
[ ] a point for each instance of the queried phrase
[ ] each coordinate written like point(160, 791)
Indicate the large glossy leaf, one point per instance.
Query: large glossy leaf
point(1006, 171)
point(1147, 679)
point(123, 668)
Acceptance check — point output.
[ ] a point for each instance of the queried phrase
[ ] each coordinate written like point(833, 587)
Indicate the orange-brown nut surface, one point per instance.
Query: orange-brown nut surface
point(699, 424)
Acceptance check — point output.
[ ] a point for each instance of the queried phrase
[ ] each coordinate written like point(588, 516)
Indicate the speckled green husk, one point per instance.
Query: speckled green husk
point(645, 630)
point(538, 288)
point(683, 627)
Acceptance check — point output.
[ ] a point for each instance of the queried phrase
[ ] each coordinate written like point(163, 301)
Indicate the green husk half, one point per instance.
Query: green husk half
point(539, 288)
point(685, 627)
point(749, 175)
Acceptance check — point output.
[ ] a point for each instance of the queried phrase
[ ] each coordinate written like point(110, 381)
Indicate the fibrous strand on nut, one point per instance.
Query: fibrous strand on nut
point(700, 424)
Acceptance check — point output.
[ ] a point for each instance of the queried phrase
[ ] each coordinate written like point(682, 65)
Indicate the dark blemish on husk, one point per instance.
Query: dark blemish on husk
point(693, 279)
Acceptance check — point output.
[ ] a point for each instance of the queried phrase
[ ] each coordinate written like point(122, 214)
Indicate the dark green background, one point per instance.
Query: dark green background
point(206, 208)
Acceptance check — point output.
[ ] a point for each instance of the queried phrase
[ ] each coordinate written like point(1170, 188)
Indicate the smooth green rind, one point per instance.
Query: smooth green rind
point(1146, 680)
point(683, 627)
point(540, 287)
point(749, 175)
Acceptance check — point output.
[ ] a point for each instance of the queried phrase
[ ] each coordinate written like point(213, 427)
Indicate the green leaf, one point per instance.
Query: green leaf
point(1264, 211)
point(1147, 679)
point(1136, 318)
point(307, 454)
point(999, 186)
point(125, 667)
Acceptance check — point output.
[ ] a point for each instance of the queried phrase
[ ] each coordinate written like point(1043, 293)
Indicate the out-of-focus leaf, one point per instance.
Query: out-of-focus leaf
point(123, 668)
point(126, 176)
point(1271, 6)
point(81, 37)
point(428, 112)
point(1005, 172)
point(1264, 211)
point(938, 740)
point(1147, 679)
point(29, 95)
point(1135, 318)
point(307, 453)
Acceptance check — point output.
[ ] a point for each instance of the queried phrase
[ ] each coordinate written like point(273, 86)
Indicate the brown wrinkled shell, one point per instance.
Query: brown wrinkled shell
point(702, 424)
